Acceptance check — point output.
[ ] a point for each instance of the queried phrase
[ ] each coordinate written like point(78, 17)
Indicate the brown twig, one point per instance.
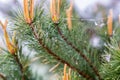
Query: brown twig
point(77, 50)
point(20, 66)
point(2, 76)
point(57, 57)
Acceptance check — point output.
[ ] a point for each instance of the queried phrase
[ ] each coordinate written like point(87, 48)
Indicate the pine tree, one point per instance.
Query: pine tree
point(61, 40)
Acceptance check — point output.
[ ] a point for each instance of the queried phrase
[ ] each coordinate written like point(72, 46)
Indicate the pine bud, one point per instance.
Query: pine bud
point(31, 9)
point(66, 76)
point(55, 13)
point(109, 23)
point(58, 7)
point(10, 46)
point(28, 13)
point(69, 15)
point(69, 74)
point(65, 66)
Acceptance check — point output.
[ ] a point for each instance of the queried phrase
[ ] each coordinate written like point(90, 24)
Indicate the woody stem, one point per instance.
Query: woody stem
point(79, 52)
point(20, 66)
point(49, 51)
point(3, 77)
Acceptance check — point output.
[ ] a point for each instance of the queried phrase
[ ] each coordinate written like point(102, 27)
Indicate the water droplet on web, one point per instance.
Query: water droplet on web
point(99, 23)
point(102, 24)
point(96, 23)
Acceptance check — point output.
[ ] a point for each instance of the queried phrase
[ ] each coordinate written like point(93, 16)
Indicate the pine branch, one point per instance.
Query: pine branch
point(79, 52)
point(57, 57)
point(20, 66)
point(3, 77)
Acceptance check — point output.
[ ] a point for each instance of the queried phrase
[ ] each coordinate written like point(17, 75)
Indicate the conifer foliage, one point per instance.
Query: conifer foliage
point(61, 40)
